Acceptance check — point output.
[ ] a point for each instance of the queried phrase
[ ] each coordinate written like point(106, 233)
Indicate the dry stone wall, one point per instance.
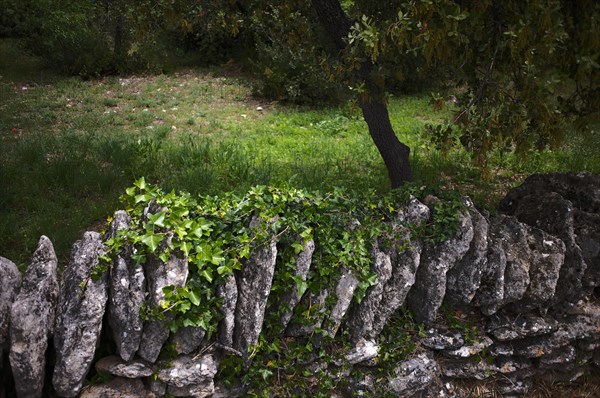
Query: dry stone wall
point(527, 280)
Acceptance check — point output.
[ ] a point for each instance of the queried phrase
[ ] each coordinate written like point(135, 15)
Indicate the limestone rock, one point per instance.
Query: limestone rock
point(253, 286)
point(442, 339)
point(187, 339)
point(414, 375)
point(159, 275)
point(127, 287)
point(32, 318)
point(466, 369)
point(464, 278)
point(555, 215)
point(490, 294)
point(363, 351)
point(587, 237)
point(405, 257)
point(318, 306)
point(228, 292)
point(81, 307)
point(546, 256)
point(581, 189)
point(187, 370)
point(426, 295)
point(10, 283)
point(514, 327)
point(559, 357)
point(291, 298)
point(115, 366)
point(201, 390)
point(118, 387)
point(360, 323)
point(414, 213)
point(405, 262)
point(467, 351)
point(344, 291)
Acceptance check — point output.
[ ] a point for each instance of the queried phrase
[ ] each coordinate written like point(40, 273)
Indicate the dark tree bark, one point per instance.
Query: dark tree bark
point(395, 154)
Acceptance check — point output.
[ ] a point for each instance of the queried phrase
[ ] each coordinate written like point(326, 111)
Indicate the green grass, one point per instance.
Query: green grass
point(70, 147)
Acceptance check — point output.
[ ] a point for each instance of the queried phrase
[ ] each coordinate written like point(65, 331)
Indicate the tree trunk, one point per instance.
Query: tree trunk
point(395, 154)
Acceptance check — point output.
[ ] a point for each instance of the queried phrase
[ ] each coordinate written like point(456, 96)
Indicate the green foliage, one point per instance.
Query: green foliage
point(217, 235)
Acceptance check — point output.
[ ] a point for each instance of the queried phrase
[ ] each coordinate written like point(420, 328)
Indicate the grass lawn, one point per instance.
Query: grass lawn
point(70, 147)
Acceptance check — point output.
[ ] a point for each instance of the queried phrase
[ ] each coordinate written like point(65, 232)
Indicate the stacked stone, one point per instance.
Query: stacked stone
point(524, 280)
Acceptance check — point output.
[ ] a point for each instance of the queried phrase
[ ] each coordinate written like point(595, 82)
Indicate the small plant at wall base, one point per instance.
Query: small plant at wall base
point(217, 236)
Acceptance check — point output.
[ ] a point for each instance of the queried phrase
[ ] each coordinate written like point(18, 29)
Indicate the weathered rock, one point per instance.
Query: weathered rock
point(156, 387)
point(363, 351)
point(318, 310)
point(127, 287)
point(467, 351)
point(344, 291)
point(442, 339)
point(555, 215)
point(559, 357)
point(32, 318)
point(186, 370)
point(414, 213)
point(427, 294)
point(159, 275)
point(228, 292)
point(201, 390)
point(546, 256)
point(510, 327)
point(581, 189)
point(235, 391)
point(115, 366)
point(187, 339)
point(360, 322)
point(516, 274)
point(464, 278)
point(491, 290)
point(587, 237)
point(530, 260)
point(10, 283)
point(80, 310)
point(253, 286)
point(405, 256)
point(118, 387)
point(514, 387)
point(414, 375)
point(466, 369)
point(404, 269)
point(292, 297)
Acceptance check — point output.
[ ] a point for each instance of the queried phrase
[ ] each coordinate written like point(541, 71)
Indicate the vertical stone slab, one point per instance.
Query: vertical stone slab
point(253, 285)
point(344, 291)
point(291, 298)
point(490, 294)
point(228, 292)
point(159, 275)
point(10, 283)
point(32, 318)
point(427, 294)
point(555, 215)
point(360, 322)
point(127, 286)
point(81, 307)
point(405, 256)
point(464, 278)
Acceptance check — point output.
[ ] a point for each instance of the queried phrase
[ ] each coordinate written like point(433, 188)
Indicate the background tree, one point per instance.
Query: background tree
point(525, 72)
point(521, 69)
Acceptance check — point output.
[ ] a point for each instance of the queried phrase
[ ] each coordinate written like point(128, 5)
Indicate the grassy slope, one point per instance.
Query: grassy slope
point(70, 147)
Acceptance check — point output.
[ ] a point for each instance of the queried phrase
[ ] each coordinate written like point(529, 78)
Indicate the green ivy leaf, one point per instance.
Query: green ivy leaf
point(152, 241)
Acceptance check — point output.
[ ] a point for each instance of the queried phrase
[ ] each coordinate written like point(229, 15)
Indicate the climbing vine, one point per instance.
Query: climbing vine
point(217, 234)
